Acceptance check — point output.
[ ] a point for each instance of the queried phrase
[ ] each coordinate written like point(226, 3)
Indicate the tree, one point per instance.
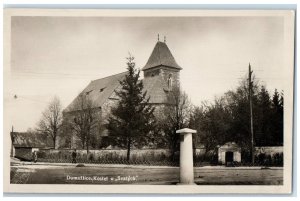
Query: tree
point(277, 118)
point(264, 117)
point(174, 116)
point(213, 123)
point(85, 120)
point(132, 119)
point(51, 120)
point(65, 133)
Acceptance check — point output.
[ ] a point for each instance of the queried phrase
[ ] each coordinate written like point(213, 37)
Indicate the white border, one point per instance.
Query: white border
point(288, 90)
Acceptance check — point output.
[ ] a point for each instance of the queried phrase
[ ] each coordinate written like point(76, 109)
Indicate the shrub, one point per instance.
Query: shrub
point(277, 159)
point(91, 157)
point(41, 154)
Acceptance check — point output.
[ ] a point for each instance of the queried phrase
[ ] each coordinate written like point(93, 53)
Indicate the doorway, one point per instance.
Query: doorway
point(228, 157)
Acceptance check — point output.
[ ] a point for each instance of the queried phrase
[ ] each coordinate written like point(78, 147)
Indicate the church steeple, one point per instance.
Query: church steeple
point(162, 63)
point(161, 56)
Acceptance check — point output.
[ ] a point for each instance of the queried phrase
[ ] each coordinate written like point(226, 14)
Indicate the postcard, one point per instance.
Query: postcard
point(148, 101)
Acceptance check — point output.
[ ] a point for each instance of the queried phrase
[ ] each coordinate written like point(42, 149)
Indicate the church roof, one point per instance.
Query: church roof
point(98, 91)
point(161, 56)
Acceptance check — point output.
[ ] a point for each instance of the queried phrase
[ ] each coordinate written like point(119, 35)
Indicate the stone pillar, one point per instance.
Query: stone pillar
point(186, 156)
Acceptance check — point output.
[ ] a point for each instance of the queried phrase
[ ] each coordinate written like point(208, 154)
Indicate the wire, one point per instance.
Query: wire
point(31, 99)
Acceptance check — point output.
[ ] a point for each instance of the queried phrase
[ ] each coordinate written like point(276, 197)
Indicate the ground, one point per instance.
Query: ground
point(42, 173)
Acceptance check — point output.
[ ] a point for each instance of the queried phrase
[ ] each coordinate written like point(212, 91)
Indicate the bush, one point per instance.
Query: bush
point(267, 160)
point(91, 157)
point(41, 154)
point(277, 159)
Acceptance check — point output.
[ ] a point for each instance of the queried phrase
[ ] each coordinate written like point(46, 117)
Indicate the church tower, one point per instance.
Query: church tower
point(162, 63)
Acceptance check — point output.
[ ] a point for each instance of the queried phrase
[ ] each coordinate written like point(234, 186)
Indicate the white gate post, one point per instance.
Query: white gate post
point(186, 156)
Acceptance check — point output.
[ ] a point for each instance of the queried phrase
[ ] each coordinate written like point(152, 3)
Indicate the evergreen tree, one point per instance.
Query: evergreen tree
point(264, 116)
point(132, 119)
point(277, 118)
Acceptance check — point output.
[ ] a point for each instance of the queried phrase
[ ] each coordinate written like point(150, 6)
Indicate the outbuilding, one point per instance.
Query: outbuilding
point(24, 143)
point(228, 153)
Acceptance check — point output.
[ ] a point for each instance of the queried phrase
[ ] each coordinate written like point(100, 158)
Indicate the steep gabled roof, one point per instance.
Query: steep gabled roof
point(161, 56)
point(31, 140)
point(98, 91)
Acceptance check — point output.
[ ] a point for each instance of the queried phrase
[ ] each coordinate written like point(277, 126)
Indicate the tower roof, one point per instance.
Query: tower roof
point(161, 56)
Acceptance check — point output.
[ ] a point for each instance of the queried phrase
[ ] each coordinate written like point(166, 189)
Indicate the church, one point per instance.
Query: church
point(161, 73)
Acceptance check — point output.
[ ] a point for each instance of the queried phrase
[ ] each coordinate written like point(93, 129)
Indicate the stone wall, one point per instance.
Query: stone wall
point(269, 150)
point(164, 72)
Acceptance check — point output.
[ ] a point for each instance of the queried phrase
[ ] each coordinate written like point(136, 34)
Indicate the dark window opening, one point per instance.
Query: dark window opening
point(170, 82)
point(102, 89)
point(88, 92)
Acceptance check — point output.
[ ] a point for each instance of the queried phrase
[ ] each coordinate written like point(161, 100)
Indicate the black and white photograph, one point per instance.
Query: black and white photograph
point(191, 99)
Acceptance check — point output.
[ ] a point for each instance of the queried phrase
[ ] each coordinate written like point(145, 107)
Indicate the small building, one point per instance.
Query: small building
point(24, 143)
point(228, 153)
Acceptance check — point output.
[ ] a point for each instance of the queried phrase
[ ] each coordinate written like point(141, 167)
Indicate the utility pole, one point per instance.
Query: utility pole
point(251, 114)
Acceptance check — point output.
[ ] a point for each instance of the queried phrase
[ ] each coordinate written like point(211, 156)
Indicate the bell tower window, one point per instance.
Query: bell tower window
point(170, 82)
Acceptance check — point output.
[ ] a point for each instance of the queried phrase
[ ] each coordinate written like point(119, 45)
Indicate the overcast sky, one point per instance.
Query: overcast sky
point(61, 55)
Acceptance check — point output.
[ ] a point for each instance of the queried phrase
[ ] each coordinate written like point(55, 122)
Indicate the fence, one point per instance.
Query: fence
point(117, 156)
point(157, 157)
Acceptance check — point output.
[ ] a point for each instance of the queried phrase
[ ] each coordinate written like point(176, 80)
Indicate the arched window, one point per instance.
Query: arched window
point(170, 81)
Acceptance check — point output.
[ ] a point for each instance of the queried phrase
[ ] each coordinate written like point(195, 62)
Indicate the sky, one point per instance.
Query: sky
point(59, 56)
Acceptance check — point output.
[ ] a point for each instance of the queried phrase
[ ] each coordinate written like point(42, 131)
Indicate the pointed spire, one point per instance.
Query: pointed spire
point(157, 37)
point(165, 39)
point(161, 56)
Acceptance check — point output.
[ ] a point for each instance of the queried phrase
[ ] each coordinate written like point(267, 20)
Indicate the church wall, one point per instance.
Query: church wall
point(106, 107)
point(165, 72)
point(151, 72)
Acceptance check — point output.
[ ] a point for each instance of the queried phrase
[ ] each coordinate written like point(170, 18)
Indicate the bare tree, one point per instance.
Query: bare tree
point(85, 120)
point(175, 115)
point(51, 120)
point(178, 108)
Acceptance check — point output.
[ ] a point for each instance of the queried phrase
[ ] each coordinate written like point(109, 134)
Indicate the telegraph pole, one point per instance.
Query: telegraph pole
point(251, 114)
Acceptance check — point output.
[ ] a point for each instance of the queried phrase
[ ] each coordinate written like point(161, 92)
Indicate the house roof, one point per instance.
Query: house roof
point(98, 91)
point(161, 56)
point(230, 145)
point(31, 140)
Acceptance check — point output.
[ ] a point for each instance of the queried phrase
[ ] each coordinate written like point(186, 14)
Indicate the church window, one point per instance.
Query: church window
point(170, 81)
point(88, 92)
point(102, 89)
